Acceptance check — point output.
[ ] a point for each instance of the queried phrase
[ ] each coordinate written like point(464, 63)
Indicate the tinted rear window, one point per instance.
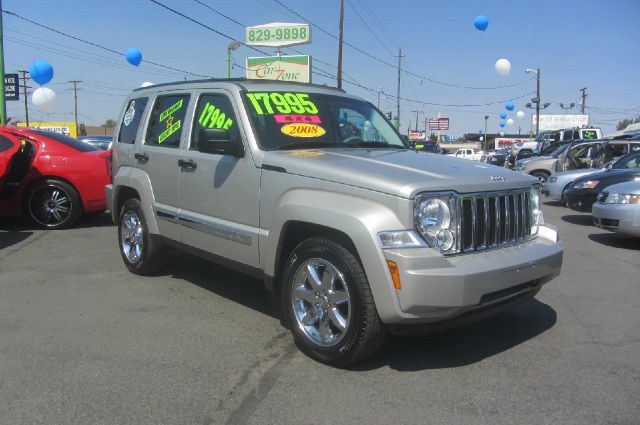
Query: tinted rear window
point(66, 140)
point(5, 143)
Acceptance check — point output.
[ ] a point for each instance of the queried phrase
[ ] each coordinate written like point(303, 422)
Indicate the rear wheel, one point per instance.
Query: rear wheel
point(53, 204)
point(328, 303)
point(141, 254)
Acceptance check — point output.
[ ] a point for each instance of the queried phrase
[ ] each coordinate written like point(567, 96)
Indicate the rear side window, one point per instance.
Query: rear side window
point(214, 111)
point(5, 143)
point(131, 120)
point(167, 120)
point(66, 140)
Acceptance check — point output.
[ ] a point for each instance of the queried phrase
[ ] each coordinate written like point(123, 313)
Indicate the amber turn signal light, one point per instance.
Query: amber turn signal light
point(395, 274)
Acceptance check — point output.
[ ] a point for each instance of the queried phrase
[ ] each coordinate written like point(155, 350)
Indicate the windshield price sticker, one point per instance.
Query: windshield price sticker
point(303, 130)
point(212, 117)
point(283, 103)
point(286, 119)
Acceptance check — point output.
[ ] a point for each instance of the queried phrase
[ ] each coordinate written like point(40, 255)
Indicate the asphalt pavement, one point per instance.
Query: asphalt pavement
point(83, 341)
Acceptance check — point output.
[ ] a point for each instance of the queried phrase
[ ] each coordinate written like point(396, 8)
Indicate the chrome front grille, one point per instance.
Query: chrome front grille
point(494, 220)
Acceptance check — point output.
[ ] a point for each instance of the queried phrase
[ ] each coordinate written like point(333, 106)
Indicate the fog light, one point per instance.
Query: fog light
point(444, 240)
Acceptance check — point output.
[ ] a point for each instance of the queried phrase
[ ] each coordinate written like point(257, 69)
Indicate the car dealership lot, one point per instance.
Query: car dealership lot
point(84, 341)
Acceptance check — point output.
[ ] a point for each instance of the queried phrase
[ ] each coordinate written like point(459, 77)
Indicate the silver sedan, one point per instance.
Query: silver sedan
point(618, 208)
point(556, 184)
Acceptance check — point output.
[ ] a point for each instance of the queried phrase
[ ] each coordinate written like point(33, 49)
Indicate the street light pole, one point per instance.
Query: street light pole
point(486, 142)
point(231, 46)
point(537, 72)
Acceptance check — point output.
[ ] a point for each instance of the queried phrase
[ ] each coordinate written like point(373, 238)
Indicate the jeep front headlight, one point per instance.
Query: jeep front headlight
point(436, 219)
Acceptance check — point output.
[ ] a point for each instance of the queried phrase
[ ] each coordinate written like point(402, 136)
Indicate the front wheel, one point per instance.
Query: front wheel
point(139, 251)
point(541, 176)
point(328, 303)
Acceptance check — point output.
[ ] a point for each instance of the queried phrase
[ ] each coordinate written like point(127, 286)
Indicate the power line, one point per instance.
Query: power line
point(369, 28)
point(98, 45)
point(422, 77)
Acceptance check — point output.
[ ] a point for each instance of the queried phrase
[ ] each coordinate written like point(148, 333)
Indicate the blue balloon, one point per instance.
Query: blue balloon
point(480, 131)
point(502, 124)
point(503, 115)
point(509, 105)
point(481, 22)
point(134, 56)
point(41, 71)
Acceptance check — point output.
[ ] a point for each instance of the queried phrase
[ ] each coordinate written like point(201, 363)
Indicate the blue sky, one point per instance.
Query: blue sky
point(576, 43)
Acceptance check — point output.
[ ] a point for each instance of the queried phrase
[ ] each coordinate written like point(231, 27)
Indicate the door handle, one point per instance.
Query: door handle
point(187, 164)
point(142, 157)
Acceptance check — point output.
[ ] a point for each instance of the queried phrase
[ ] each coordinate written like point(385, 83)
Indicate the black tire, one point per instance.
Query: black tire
point(363, 331)
point(541, 176)
point(53, 204)
point(140, 252)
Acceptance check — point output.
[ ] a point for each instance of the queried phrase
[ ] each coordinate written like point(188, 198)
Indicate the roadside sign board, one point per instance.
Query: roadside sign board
point(417, 135)
point(439, 124)
point(278, 34)
point(11, 90)
point(66, 128)
point(558, 122)
point(504, 142)
point(281, 68)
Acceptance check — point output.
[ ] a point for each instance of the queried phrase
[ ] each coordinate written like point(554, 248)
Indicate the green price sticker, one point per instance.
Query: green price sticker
point(212, 117)
point(283, 103)
point(171, 110)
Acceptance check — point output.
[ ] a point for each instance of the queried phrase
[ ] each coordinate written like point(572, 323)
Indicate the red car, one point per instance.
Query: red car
point(51, 177)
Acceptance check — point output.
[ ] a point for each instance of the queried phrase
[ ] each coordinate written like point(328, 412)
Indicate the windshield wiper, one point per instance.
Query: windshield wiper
point(308, 144)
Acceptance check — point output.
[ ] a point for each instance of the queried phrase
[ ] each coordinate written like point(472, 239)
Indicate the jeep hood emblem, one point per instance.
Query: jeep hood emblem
point(497, 178)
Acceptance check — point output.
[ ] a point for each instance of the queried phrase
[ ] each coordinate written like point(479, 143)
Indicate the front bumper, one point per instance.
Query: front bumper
point(553, 191)
point(436, 288)
point(580, 199)
point(620, 218)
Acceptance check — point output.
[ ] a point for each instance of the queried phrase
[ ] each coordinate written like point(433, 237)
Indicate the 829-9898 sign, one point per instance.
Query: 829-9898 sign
point(278, 34)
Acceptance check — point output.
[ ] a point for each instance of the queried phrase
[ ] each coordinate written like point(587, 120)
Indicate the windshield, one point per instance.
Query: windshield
point(286, 120)
point(555, 151)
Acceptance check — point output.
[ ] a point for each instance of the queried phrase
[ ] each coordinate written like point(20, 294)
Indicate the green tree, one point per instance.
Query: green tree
point(109, 123)
point(627, 121)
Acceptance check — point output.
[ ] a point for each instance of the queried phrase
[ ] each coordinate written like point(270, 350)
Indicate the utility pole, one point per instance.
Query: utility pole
point(486, 137)
point(340, 45)
point(584, 99)
point(538, 102)
point(3, 104)
point(24, 94)
point(439, 127)
point(417, 112)
point(75, 103)
point(400, 56)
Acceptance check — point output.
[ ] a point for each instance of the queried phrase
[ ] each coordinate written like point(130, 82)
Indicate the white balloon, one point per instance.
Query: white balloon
point(520, 114)
point(503, 67)
point(146, 84)
point(481, 138)
point(502, 133)
point(44, 99)
point(510, 121)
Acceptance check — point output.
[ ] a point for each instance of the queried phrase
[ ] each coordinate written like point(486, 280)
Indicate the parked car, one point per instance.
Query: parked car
point(432, 147)
point(496, 158)
point(356, 235)
point(50, 177)
point(540, 167)
point(584, 191)
point(557, 183)
point(594, 153)
point(618, 208)
point(569, 135)
point(468, 153)
point(100, 142)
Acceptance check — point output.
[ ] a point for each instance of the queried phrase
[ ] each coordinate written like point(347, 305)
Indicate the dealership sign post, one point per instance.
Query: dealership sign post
point(558, 122)
point(282, 68)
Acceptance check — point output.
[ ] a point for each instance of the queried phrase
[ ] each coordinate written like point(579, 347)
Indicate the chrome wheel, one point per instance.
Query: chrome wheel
point(50, 205)
point(131, 237)
point(321, 302)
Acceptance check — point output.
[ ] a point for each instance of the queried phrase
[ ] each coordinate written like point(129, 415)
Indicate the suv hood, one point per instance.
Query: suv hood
point(402, 173)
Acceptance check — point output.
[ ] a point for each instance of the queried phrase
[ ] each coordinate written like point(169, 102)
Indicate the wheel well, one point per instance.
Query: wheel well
point(40, 179)
point(545, 172)
point(294, 232)
point(124, 193)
